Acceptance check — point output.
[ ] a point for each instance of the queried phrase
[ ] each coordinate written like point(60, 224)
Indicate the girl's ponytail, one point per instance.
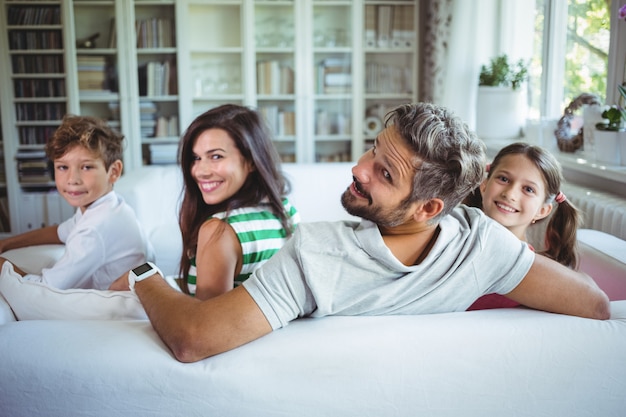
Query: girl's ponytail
point(561, 242)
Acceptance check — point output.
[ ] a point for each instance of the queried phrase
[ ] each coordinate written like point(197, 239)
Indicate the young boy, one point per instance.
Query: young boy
point(103, 239)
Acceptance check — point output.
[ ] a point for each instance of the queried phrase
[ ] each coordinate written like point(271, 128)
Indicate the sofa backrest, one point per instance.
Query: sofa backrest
point(154, 192)
point(316, 190)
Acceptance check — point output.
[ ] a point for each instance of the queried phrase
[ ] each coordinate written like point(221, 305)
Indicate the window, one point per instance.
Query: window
point(570, 54)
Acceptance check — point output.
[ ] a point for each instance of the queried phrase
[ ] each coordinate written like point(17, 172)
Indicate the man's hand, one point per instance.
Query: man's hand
point(552, 287)
point(120, 284)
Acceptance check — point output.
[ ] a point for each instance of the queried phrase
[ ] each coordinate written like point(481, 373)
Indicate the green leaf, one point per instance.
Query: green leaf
point(500, 72)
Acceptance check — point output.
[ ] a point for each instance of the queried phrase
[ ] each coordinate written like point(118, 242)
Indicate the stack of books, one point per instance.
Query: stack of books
point(92, 73)
point(389, 26)
point(274, 77)
point(334, 76)
point(166, 127)
point(281, 122)
point(33, 167)
point(147, 117)
point(163, 153)
point(155, 33)
point(157, 78)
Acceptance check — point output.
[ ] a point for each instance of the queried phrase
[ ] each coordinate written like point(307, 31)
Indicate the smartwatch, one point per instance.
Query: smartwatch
point(142, 272)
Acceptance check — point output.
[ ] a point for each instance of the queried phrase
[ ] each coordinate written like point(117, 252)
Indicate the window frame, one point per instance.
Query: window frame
point(617, 57)
point(554, 48)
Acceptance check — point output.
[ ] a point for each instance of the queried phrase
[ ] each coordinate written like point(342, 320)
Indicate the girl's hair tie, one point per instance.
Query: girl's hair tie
point(488, 167)
point(560, 197)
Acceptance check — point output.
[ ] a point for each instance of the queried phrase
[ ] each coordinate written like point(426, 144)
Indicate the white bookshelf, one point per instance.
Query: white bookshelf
point(267, 54)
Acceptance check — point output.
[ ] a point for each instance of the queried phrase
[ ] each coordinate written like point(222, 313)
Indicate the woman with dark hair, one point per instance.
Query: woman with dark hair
point(234, 215)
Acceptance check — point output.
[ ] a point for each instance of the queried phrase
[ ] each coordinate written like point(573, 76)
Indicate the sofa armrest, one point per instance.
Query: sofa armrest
point(32, 259)
point(603, 257)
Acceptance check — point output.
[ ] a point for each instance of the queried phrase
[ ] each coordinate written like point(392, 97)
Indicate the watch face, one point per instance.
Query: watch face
point(142, 269)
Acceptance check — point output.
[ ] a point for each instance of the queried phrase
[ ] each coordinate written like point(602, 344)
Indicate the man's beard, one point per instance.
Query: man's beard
point(380, 216)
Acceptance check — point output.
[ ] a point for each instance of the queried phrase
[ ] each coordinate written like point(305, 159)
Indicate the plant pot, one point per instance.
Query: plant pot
point(500, 113)
point(607, 144)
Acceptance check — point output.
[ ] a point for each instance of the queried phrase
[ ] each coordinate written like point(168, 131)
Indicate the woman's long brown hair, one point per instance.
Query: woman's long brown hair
point(265, 182)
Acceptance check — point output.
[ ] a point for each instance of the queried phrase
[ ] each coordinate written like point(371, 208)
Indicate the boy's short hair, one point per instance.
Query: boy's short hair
point(89, 132)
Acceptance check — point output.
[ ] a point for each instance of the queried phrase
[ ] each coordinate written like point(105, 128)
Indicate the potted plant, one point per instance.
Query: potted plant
point(611, 133)
point(501, 109)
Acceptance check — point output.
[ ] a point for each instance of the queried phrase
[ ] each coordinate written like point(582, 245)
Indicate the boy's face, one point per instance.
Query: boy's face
point(81, 177)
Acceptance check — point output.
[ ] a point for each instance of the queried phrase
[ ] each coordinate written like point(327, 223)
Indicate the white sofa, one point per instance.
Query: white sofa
point(516, 362)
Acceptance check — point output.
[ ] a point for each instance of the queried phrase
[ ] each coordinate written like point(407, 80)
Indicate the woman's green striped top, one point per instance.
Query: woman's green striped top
point(260, 233)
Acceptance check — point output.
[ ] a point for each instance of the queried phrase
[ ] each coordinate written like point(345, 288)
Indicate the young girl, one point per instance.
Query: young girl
point(522, 188)
point(234, 215)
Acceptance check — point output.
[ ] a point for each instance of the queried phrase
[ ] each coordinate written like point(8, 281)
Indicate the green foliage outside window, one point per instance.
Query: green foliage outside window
point(586, 52)
point(588, 31)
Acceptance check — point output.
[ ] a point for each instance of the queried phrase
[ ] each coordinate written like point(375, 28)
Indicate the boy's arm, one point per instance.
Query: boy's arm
point(552, 287)
point(16, 268)
point(45, 235)
point(195, 329)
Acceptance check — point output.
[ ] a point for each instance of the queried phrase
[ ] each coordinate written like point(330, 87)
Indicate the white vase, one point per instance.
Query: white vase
point(607, 146)
point(500, 113)
point(592, 115)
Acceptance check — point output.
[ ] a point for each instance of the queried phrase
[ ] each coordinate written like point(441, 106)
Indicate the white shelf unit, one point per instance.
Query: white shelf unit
point(305, 64)
point(318, 69)
point(156, 53)
point(135, 61)
point(99, 87)
point(33, 100)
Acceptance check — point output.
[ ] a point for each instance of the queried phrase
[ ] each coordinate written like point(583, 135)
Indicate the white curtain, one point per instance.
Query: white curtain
point(473, 40)
point(459, 36)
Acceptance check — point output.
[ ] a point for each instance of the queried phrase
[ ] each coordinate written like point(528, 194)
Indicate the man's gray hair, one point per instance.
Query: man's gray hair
point(449, 158)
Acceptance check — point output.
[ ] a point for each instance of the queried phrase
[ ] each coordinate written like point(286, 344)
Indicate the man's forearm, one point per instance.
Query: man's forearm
point(553, 287)
point(193, 329)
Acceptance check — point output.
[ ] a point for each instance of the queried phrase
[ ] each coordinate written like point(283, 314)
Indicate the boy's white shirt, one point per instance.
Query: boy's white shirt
point(100, 245)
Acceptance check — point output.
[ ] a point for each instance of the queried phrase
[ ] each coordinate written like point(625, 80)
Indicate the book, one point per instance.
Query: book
point(383, 28)
point(370, 25)
point(112, 43)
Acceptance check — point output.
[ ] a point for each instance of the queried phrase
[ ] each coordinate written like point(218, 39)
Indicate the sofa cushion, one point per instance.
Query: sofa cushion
point(603, 257)
point(6, 314)
point(36, 301)
point(486, 363)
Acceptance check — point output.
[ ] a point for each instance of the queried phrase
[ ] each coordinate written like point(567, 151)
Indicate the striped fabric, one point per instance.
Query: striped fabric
point(260, 233)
